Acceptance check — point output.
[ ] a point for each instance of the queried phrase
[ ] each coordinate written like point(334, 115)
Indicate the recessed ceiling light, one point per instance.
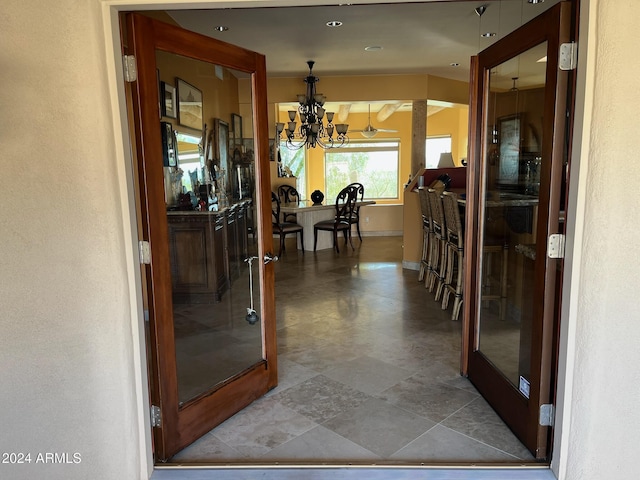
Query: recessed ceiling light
point(488, 34)
point(221, 28)
point(334, 23)
point(533, 2)
point(455, 64)
point(373, 48)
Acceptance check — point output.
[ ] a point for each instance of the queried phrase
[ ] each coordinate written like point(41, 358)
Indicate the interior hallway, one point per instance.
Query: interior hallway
point(369, 373)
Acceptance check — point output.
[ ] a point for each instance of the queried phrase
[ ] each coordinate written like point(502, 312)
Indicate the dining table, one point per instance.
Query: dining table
point(309, 213)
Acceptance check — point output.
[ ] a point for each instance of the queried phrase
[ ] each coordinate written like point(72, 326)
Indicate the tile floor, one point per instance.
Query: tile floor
point(369, 373)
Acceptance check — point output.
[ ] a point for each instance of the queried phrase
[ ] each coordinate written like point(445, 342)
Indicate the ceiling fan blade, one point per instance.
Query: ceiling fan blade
point(368, 128)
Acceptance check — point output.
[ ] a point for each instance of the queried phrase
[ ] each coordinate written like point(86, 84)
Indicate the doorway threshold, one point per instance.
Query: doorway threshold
point(462, 472)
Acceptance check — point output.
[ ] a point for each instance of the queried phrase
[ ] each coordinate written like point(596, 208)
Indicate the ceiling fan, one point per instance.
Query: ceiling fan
point(370, 131)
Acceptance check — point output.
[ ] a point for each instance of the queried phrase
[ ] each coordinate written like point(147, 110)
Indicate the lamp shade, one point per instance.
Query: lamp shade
point(446, 160)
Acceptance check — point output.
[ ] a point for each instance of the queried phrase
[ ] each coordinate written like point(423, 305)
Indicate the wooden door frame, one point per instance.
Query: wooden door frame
point(123, 147)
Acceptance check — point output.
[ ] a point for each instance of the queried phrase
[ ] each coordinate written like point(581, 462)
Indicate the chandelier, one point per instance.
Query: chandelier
point(312, 131)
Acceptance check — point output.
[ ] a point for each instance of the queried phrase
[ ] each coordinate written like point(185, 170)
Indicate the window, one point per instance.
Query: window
point(436, 146)
point(374, 164)
point(190, 161)
point(295, 160)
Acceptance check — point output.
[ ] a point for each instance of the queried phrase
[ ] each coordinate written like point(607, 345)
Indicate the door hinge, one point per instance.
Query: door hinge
point(547, 414)
point(156, 416)
point(130, 68)
point(568, 59)
point(555, 245)
point(144, 251)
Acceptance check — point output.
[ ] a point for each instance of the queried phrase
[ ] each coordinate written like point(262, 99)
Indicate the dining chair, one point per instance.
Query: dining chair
point(289, 194)
point(283, 228)
point(345, 202)
point(354, 218)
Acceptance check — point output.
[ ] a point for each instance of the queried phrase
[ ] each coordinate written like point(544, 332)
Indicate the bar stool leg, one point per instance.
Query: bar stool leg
point(435, 258)
point(425, 254)
point(503, 281)
point(441, 270)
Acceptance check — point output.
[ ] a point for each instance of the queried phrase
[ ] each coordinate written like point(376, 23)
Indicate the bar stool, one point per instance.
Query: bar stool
point(501, 247)
point(453, 279)
point(438, 244)
point(425, 265)
point(454, 271)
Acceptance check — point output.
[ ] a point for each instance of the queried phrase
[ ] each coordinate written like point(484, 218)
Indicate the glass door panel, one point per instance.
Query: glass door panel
point(208, 218)
point(515, 115)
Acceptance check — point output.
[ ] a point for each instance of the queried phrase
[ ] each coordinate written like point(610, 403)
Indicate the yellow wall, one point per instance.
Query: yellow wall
point(452, 121)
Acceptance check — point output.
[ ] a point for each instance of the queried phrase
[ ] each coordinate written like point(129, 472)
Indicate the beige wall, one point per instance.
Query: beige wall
point(601, 314)
point(72, 374)
point(70, 366)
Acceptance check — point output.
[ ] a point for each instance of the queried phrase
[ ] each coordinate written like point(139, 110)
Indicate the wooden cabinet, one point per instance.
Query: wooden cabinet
point(196, 246)
point(207, 252)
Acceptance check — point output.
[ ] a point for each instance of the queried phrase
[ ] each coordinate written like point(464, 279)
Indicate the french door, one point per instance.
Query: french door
point(519, 106)
point(201, 138)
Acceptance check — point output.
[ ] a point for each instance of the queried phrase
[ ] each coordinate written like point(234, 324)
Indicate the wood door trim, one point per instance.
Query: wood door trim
point(263, 177)
point(150, 180)
point(471, 225)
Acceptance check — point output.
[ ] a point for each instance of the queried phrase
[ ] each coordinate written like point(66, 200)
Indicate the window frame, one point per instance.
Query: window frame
point(368, 146)
point(432, 137)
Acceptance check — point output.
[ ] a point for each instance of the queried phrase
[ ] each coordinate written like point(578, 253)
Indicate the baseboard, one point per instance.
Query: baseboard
point(382, 233)
point(411, 265)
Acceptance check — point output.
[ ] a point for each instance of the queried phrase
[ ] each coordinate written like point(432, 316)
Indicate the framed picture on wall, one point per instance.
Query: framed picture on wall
point(221, 152)
point(236, 124)
point(168, 100)
point(189, 105)
point(509, 138)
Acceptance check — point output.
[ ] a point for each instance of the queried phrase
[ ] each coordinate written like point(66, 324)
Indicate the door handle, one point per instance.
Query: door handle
point(270, 257)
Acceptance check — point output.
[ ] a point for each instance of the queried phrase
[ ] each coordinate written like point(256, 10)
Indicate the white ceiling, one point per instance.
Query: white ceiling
point(416, 37)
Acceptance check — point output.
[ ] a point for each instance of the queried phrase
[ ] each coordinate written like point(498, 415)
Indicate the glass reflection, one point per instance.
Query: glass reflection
point(210, 198)
point(512, 183)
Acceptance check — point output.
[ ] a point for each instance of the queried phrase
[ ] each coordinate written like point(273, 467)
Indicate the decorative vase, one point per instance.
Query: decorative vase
point(317, 196)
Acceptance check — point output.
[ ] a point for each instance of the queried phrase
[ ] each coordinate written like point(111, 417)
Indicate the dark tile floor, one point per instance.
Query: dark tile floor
point(369, 373)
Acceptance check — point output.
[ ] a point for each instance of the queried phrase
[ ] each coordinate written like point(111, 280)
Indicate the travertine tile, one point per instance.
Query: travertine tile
point(321, 444)
point(363, 350)
point(441, 444)
point(321, 398)
point(262, 426)
point(435, 401)
point(379, 426)
point(479, 421)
